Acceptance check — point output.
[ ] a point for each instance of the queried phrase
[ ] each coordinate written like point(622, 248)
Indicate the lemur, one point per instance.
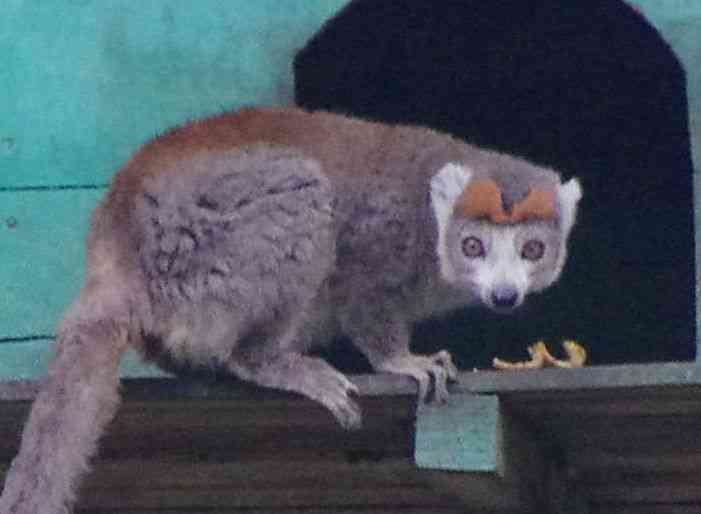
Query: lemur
point(239, 240)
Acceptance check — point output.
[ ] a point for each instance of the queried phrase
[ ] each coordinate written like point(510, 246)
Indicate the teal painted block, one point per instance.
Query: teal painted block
point(42, 255)
point(85, 82)
point(460, 436)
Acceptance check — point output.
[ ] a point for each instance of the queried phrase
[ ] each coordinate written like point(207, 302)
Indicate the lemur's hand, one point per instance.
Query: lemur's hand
point(437, 367)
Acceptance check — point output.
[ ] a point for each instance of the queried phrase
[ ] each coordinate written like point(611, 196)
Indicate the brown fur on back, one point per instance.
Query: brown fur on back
point(330, 138)
point(343, 146)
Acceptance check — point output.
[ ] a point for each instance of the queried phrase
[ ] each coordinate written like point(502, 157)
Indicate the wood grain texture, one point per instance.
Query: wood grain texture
point(607, 437)
point(201, 445)
point(268, 452)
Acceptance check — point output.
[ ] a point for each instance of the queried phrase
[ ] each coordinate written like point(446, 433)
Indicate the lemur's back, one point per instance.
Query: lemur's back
point(344, 147)
point(352, 153)
point(167, 161)
point(338, 142)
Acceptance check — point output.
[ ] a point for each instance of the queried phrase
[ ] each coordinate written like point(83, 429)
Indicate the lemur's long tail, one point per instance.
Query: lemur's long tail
point(77, 400)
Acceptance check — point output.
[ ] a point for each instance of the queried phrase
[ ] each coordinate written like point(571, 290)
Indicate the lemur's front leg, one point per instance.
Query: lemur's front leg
point(383, 333)
point(437, 366)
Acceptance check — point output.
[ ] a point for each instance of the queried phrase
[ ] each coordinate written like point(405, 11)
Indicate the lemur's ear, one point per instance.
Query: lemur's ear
point(568, 195)
point(446, 187)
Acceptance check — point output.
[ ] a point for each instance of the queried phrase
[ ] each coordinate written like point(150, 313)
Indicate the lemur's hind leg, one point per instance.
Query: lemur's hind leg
point(288, 229)
point(260, 242)
point(77, 400)
point(293, 371)
point(317, 380)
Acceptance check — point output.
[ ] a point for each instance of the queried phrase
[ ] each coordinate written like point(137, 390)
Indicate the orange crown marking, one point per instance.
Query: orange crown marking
point(482, 199)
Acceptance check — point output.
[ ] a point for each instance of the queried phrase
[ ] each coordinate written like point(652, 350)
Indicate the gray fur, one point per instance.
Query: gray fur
point(239, 241)
point(77, 400)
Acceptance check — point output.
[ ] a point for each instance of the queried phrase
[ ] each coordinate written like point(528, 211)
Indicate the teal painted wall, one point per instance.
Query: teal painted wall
point(84, 82)
point(679, 21)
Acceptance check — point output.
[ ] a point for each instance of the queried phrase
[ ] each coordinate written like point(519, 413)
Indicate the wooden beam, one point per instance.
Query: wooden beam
point(658, 375)
point(662, 376)
point(598, 440)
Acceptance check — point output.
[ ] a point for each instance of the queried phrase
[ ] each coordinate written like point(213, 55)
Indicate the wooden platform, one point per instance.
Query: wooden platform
point(600, 440)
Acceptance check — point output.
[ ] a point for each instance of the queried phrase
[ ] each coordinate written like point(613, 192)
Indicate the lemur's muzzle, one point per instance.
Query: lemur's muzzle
point(504, 298)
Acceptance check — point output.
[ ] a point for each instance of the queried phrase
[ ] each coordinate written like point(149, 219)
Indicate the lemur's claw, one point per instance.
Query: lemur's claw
point(437, 368)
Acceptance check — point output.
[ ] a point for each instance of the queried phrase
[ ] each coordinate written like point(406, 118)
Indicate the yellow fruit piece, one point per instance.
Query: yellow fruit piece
point(541, 358)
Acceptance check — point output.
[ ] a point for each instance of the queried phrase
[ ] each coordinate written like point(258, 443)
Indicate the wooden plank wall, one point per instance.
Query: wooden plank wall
point(190, 447)
point(83, 85)
point(600, 441)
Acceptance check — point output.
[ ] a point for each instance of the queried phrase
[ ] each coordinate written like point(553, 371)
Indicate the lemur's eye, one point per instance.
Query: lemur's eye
point(472, 247)
point(533, 250)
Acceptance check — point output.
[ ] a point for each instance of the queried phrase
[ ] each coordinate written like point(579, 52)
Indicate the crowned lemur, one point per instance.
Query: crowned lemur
point(238, 240)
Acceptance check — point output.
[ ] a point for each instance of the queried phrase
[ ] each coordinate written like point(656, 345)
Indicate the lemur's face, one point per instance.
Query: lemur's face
point(501, 264)
point(500, 254)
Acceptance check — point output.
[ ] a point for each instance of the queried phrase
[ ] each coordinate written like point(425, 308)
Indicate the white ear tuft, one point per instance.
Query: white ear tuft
point(569, 195)
point(448, 184)
point(446, 187)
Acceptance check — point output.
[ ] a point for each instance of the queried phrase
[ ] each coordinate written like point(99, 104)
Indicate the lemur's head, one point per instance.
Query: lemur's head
point(502, 234)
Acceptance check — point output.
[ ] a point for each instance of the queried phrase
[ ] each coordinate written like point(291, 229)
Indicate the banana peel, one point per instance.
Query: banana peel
point(542, 358)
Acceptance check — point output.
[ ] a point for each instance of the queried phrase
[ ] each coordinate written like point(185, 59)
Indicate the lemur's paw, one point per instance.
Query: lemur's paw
point(333, 390)
point(437, 368)
point(337, 398)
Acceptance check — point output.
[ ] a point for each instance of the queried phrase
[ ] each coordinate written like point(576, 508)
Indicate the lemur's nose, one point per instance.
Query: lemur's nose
point(505, 297)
